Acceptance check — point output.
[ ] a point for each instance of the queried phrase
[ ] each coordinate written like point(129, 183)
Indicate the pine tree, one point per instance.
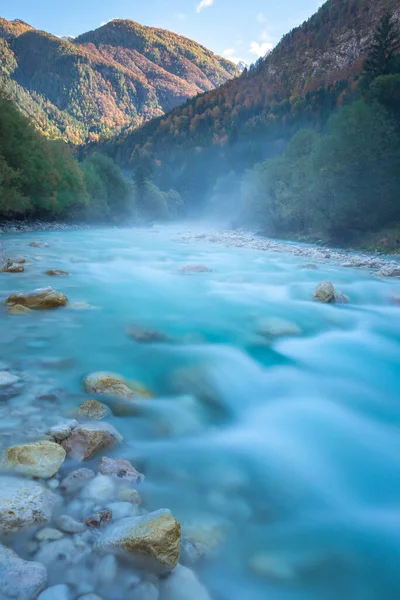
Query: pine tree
point(385, 45)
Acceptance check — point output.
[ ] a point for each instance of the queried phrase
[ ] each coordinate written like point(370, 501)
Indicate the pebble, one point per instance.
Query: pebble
point(47, 534)
point(101, 488)
point(76, 480)
point(120, 469)
point(120, 510)
point(106, 570)
point(56, 592)
point(70, 525)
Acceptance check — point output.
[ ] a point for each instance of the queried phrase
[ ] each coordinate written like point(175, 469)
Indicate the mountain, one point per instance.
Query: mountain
point(311, 72)
point(105, 81)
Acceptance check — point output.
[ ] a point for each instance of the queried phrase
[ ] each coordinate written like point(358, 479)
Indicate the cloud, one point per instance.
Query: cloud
point(204, 4)
point(260, 49)
point(230, 54)
point(261, 18)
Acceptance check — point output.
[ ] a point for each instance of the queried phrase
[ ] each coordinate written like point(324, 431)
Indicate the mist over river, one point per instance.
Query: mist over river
point(273, 431)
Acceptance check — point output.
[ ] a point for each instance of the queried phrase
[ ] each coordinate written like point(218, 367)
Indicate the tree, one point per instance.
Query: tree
point(385, 45)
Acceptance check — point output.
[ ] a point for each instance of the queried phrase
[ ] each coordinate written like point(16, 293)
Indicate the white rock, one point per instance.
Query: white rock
point(56, 592)
point(23, 503)
point(106, 570)
point(7, 378)
point(48, 534)
point(70, 525)
point(120, 510)
point(101, 488)
point(182, 584)
point(20, 579)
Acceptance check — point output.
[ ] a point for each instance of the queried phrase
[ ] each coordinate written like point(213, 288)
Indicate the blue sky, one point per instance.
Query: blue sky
point(237, 29)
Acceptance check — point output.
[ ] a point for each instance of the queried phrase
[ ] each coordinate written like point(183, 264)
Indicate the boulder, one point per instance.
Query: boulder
point(112, 384)
point(56, 272)
point(189, 269)
point(76, 480)
point(120, 469)
point(182, 584)
point(151, 541)
point(324, 292)
point(87, 440)
point(40, 298)
point(23, 503)
point(18, 309)
point(20, 579)
point(93, 409)
point(42, 459)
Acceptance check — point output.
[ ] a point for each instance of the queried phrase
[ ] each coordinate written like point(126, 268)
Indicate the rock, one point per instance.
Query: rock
point(47, 534)
point(191, 553)
point(324, 292)
point(7, 379)
point(20, 579)
point(121, 510)
point(92, 409)
point(42, 459)
point(56, 592)
point(390, 271)
point(60, 553)
point(273, 328)
point(76, 480)
point(182, 584)
point(126, 494)
point(11, 267)
point(145, 336)
point(40, 298)
point(39, 244)
point(18, 309)
point(106, 570)
point(206, 533)
point(145, 591)
point(341, 298)
point(111, 384)
point(87, 440)
point(20, 260)
point(23, 503)
point(62, 431)
point(99, 519)
point(100, 488)
point(152, 541)
point(56, 273)
point(310, 266)
point(89, 596)
point(120, 469)
point(188, 269)
point(70, 525)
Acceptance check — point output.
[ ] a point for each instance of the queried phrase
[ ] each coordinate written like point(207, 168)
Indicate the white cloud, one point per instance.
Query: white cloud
point(260, 49)
point(204, 4)
point(230, 54)
point(261, 18)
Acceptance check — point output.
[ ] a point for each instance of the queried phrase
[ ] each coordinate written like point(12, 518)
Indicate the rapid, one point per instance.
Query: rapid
point(273, 430)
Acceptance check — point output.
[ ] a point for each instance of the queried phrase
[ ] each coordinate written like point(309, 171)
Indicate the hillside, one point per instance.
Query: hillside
point(104, 81)
point(309, 73)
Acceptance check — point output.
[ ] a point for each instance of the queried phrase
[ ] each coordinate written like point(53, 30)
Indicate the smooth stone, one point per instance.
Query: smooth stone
point(151, 541)
point(93, 409)
point(42, 459)
point(182, 584)
point(324, 292)
point(23, 503)
point(40, 298)
point(145, 591)
point(146, 336)
point(61, 553)
point(56, 272)
point(70, 525)
point(120, 469)
point(120, 510)
point(56, 592)
point(101, 488)
point(112, 384)
point(47, 534)
point(76, 480)
point(20, 579)
point(188, 269)
point(18, 309)
point(126, 494)
point(87, 440)
point(107, 569)
point(7, 379)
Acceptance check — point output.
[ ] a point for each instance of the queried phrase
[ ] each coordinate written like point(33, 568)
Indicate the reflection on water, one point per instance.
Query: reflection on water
point(274, 432)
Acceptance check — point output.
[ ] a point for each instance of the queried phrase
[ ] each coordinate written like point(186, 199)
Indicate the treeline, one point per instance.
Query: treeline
point(42, 179)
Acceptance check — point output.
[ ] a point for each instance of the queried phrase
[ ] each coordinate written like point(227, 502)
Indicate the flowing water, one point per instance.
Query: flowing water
point(274, 430)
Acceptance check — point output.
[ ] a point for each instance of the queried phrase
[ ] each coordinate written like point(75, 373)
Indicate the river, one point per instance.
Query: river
point(273, 434)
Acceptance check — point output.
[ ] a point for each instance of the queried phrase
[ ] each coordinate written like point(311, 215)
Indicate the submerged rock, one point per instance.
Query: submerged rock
point(56, 272)
point(109, 384)
point(188, 269)
point(18, 309)
point(276, 327)
point(93, 409)
point(146, 336)
point(120, 469)
point(87, 440)
point(341, 298)
point(324, 292)
point(146, 591)
point(42, 459)
point(37, 244)
point(76, 480)
point(20, 579)
point(7, 378)
point(70, 525)
point(182, 584)
point(152, 541)
point(56, 592)
point(40, 298)
point(23, 503)
point(126, 494)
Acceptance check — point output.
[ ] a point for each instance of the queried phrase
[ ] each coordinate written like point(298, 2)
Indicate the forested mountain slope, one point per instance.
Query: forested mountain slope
point(105, 81)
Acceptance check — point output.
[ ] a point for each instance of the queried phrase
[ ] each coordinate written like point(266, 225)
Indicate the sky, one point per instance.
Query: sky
point(237, 29)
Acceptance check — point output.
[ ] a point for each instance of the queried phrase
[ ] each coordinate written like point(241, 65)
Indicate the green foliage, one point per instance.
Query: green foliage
point(385, 45)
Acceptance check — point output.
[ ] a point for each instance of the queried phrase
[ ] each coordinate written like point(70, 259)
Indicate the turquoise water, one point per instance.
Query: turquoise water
point(283, 449)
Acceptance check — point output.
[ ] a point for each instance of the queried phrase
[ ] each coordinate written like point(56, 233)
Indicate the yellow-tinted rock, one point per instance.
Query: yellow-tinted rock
point(87, 440)
point(42, 459)
point(39, 298)
point(111, 384)
point(56, 272)
point(18, 309)
point(92, 409)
